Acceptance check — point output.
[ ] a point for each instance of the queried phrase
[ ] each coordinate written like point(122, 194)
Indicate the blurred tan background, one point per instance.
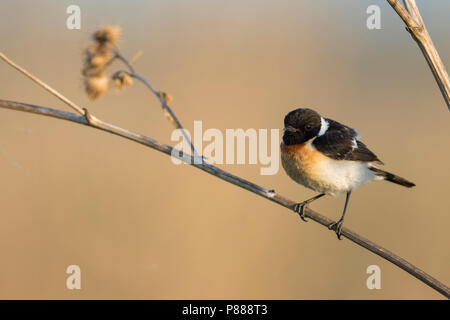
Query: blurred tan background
point(142, 228)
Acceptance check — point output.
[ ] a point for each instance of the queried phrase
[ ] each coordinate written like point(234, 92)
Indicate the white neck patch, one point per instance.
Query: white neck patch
point(323, 127)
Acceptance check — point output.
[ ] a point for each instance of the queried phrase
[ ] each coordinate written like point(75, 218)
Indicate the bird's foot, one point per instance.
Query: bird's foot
point(300, 209)
point(337, 227)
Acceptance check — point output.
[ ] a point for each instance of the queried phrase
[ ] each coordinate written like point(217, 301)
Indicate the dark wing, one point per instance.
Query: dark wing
point(341, 143)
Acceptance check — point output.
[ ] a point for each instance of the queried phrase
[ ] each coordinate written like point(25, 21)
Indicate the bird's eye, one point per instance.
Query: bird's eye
point(308, 127)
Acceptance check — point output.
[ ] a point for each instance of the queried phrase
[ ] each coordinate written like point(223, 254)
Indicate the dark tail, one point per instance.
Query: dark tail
point(392, 177)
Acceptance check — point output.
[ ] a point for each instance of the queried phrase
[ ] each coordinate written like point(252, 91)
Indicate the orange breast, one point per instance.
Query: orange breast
point(304, 153)
point(301, 161)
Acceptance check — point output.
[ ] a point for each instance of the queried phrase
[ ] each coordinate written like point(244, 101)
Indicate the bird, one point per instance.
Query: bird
point(329, 158)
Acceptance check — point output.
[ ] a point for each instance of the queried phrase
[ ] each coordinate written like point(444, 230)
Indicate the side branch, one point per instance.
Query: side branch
point(416, 27)
point(265, 193)
point(41, 83)
point(160, 96)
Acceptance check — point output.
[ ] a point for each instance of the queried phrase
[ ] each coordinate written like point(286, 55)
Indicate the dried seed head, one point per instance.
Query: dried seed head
point(96, 86)
point(98, 54)
point(165, 96)
point(169, 117)
point(89, 71)
point(122, 80)
point(96, 60)
point(101, 49)
point(108, 35)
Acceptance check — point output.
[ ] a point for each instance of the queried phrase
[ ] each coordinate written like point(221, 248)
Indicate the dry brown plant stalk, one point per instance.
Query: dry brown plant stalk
point(410, 15)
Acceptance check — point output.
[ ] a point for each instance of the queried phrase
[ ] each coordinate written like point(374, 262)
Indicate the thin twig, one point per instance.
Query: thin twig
point(416, 27)
point(42, 84)
point(263, 192)
point(136, 57)
point(132, 72)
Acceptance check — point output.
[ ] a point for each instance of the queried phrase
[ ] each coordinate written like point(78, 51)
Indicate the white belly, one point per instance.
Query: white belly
point(318, 172)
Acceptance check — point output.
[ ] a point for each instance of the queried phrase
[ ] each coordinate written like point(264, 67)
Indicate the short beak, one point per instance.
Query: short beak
point(289, 129)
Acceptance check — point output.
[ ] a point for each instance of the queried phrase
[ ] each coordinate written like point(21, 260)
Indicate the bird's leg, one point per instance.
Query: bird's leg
point(337, 226)
point(300, 207)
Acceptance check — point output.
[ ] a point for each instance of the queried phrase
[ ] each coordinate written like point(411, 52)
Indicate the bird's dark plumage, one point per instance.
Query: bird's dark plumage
point(340, 142)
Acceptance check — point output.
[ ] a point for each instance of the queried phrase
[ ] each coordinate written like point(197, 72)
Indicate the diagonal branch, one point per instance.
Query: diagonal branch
point(416, 27)
point(228, 177)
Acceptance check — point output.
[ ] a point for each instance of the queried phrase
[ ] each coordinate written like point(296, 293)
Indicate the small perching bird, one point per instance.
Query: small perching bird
point(327, 157)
